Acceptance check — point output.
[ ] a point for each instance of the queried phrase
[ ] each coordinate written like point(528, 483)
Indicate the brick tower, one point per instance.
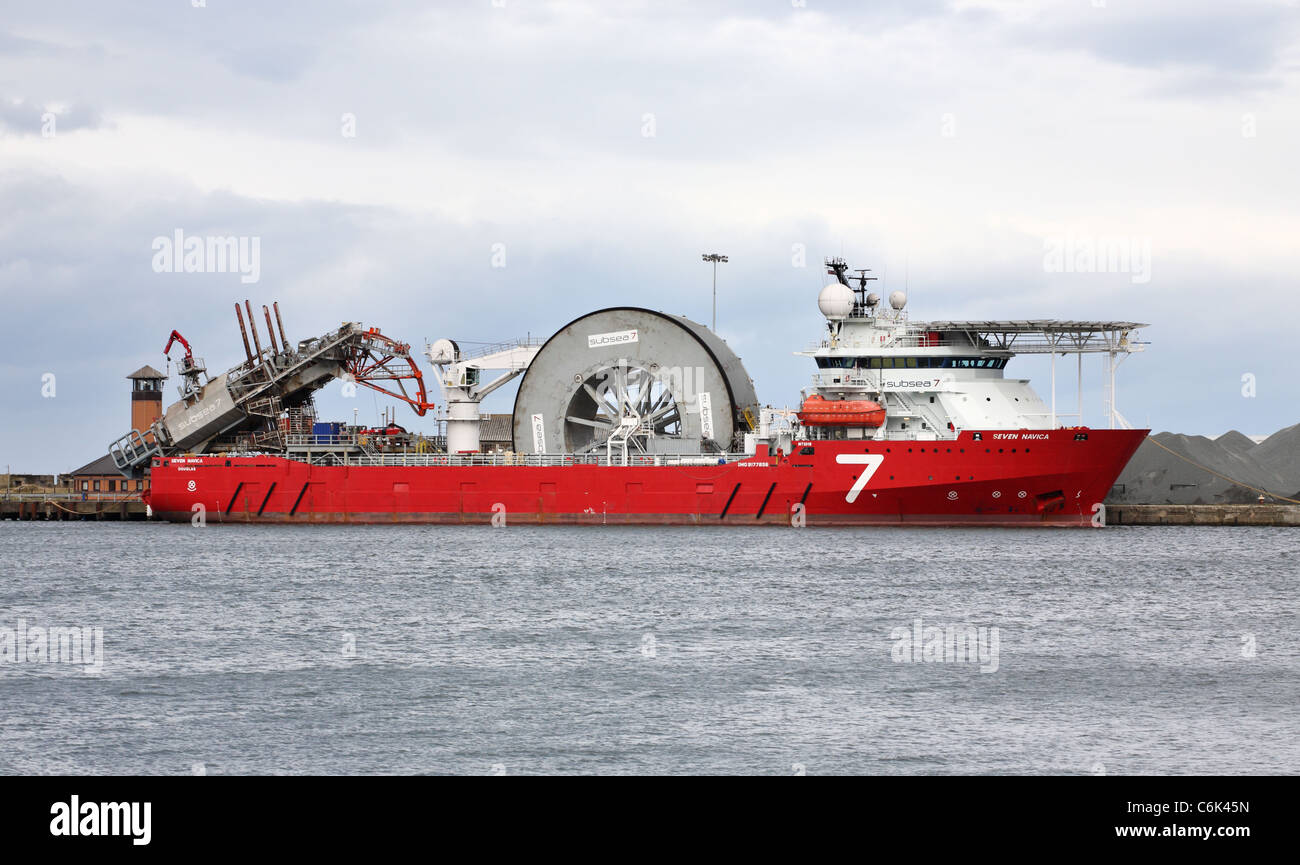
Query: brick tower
point(146, 397)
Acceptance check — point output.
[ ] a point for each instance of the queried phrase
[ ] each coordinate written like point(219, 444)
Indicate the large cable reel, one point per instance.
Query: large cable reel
point(656, 382)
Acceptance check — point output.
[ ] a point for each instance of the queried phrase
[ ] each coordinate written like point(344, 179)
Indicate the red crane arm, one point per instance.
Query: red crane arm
point(175, 338)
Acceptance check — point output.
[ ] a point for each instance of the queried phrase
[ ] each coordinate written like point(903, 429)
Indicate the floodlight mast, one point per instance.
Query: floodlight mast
point(715, 258)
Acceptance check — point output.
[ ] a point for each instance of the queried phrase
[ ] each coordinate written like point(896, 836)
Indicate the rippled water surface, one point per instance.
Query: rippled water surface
point(351, 649)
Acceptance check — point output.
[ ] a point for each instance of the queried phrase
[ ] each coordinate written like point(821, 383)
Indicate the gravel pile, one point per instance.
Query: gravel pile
point(1155, 476)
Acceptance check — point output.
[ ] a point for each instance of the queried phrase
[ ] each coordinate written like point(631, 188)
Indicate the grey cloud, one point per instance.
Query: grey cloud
point(27, 118)
point(1242, 40)
point(17, 45)
point(570, 88)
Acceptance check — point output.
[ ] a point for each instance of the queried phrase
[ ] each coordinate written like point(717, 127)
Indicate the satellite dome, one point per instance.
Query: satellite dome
point(897, 300)
point(836, 301)
point(873, 299)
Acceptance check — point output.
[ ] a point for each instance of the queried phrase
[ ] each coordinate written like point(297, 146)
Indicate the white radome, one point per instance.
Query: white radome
point(897, 300)
point(836, 301)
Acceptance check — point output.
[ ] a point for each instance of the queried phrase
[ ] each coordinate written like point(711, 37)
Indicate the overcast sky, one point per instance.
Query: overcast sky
point(383, 153)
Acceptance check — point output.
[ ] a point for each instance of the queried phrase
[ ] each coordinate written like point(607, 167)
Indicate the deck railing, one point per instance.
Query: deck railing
point(512, 459)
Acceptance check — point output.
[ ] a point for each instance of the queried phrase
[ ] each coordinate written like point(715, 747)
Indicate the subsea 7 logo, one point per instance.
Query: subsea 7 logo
point(871, 461)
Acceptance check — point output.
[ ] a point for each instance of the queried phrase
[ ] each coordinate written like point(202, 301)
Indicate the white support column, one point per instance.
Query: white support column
point(1111, 389)
point(1053, 424)
point(462, 421)
point(1117, 420)
point(1080, 398)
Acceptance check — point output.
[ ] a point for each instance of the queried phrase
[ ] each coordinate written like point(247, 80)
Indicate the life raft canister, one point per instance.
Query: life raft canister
point(819, 411)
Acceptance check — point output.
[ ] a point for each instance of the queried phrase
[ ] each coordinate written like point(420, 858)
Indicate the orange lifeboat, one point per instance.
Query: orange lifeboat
point(819, 411)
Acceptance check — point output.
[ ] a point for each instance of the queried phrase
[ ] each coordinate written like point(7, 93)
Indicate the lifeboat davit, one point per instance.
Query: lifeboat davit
point(819, 411)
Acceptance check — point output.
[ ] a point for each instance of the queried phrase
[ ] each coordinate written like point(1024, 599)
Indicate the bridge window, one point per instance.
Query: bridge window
point(836, 362)
point(974, 362)
point(911, 362)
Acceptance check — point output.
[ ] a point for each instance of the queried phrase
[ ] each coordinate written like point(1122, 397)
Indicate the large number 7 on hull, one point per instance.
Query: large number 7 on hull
point(871, 461)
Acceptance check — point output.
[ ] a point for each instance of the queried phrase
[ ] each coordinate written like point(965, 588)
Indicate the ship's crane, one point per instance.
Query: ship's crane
point(175, 338)
point(460, 375)
point(190, 368)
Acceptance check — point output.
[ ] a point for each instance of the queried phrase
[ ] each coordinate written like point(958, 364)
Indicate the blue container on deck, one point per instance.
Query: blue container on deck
point(326, 433)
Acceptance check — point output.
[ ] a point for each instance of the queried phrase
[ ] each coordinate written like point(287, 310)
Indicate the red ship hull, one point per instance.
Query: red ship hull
point(995, 478)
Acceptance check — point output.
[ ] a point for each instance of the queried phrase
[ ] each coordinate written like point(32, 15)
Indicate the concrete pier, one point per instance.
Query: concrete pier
point(36, 507)
point(1203, 515)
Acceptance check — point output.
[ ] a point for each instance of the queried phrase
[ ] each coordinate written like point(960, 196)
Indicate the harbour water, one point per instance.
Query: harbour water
point(526, 650)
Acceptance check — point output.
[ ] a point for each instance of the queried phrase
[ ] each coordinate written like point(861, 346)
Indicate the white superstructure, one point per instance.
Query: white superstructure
point(937, 378)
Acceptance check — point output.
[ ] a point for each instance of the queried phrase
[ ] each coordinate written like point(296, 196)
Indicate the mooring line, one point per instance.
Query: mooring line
point(1217, 475)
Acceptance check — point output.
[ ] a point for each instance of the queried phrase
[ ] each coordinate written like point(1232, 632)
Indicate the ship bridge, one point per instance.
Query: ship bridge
point(935, 378)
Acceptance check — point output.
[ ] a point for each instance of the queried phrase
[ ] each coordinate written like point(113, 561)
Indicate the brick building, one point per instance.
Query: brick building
point(496, 433)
